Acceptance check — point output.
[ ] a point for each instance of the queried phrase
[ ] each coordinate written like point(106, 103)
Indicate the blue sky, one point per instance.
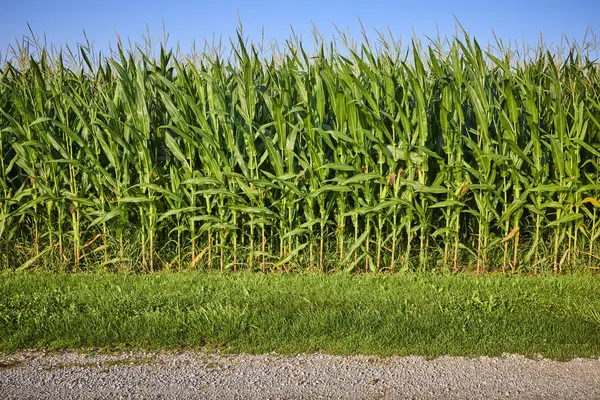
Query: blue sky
point(64, 21)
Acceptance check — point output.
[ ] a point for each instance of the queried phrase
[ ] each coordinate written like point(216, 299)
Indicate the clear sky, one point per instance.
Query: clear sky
point(64, 21)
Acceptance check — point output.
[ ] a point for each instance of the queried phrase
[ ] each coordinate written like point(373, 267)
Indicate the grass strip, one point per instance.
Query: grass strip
point(401, 314)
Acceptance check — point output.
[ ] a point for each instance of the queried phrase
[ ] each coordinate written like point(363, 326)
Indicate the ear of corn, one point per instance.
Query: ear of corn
point(366, 158)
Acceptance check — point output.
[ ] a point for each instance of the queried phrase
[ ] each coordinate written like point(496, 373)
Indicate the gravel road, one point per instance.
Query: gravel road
point(70, 375)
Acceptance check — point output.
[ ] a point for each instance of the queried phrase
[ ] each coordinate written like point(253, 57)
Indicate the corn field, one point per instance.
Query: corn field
point(355, 157)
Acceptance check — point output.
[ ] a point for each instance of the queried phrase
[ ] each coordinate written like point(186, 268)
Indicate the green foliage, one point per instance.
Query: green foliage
point(372, 158)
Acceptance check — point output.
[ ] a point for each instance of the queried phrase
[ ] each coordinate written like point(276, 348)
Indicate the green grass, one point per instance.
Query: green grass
point(401, 314)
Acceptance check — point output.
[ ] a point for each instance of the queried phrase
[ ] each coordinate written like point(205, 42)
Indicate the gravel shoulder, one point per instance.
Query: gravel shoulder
point(170, 375)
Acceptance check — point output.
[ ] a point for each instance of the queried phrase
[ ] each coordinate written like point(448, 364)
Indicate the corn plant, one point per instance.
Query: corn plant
point(361, 156)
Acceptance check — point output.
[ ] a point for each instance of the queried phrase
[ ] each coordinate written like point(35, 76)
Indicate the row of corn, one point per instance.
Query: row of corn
point(367, 158)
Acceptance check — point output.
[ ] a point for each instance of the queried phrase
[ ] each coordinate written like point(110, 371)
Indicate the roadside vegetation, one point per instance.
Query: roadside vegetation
point(395, 314)
point(407, 162)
